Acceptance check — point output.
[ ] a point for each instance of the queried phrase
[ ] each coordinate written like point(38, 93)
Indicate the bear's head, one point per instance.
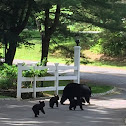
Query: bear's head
point(42, 103)
point(56, 97)
point(63, 98)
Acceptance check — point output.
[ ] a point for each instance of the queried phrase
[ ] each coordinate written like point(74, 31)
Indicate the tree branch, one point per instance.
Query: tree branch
point(56, 20)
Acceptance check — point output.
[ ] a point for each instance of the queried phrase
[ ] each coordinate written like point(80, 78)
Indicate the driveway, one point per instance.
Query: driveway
point(109, 110)
point(104, 75)
point(104, 111)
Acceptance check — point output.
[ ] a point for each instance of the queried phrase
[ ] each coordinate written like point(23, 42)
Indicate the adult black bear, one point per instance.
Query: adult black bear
point(54, 100)
point(73, 90)
point(76, 102)
point(38, 107)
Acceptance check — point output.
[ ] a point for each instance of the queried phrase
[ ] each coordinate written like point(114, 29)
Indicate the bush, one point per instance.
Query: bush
point(8, 76)
point(111, 44)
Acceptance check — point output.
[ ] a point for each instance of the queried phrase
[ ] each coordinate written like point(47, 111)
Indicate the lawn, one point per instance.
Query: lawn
point(1, 96)
point(33, 52)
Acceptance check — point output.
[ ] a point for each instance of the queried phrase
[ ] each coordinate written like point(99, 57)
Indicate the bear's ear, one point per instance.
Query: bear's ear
point(41, 102)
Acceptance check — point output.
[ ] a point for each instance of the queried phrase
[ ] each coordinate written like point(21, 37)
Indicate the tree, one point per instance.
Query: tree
point(14, 15)
point(54, 15)
point(47, 24)
point(108, 14)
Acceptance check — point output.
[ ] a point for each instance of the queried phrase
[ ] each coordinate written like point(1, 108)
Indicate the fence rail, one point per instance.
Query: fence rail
point(56, 76)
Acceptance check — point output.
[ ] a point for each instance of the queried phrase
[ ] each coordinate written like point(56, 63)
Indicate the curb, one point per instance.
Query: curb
point(8, 99)
point(105, 93)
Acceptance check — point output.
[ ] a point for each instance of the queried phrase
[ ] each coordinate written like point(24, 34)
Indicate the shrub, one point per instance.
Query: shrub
point(111, 43)
point(8, 76)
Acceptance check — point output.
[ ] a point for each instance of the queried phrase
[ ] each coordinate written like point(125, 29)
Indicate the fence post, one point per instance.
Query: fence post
point(77, 63)
point(57, 79)
point(34, 84)
point(19, 82)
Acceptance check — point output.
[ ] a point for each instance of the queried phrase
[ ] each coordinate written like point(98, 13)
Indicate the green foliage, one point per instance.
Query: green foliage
point(41, 73)
point(8, 71)
point(97, 48)
point(99, 88)
point(111, 43)
point(28, 73)
point(8, 76)
point(114, 44)
point(33, 73)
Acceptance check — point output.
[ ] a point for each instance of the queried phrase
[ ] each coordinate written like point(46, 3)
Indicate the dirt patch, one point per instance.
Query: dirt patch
point(92, 56)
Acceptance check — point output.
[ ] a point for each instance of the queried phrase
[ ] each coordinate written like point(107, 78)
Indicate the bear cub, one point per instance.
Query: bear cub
point(38, 107)
point(54, 100)
point(76, 102)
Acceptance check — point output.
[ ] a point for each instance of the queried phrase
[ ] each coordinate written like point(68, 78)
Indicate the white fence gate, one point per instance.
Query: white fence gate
point(55, 69)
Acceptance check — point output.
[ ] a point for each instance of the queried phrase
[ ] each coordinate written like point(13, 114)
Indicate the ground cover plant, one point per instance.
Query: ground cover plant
point(2, 96)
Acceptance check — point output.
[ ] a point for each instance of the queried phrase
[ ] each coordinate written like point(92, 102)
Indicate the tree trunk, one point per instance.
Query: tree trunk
point(17, 29)
point(10, 53)
point(45, 48)
point(49, 30)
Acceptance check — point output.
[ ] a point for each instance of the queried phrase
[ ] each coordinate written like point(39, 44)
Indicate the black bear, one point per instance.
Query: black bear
point(38, 107)
point(76, 102)
point(73, 90)
point(54, 100)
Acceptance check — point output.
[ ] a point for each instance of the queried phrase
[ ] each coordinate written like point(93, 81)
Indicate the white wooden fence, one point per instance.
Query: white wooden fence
point(55, 69)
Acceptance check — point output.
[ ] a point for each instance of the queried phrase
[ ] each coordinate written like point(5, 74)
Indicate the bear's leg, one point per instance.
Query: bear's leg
point(74, 107)
point(70, 108)
point(51, 104)
point(38, 113)
point(87, 98)
point(57, 103)
point(35, 112)
point(81, 107)
point(42, 110)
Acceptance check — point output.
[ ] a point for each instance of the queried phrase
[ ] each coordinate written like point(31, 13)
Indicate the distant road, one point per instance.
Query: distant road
point(104, 75)
point(95, 74)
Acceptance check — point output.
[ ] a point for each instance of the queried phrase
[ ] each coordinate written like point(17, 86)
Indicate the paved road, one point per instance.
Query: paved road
point(103, 111)
point(103, 75)
point(109, 110)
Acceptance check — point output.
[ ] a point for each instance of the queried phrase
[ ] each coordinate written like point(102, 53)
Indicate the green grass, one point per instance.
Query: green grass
point(2, 96)
point(111, 64)
point(100, 88)
point(33, 53)
point(95, 88)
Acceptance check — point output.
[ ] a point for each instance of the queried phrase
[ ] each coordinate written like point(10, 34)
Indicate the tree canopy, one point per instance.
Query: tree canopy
point(54, 16)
